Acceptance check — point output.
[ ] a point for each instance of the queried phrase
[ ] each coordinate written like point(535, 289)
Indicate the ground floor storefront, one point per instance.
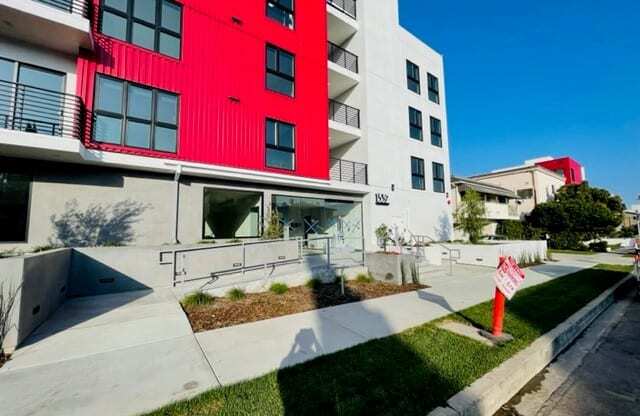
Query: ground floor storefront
point(53, 204)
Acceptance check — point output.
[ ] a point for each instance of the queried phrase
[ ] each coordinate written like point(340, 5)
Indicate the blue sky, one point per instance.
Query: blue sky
point(535, 78)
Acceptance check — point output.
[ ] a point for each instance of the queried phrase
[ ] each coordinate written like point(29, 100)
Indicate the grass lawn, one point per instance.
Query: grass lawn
point(409, 373)
point(584, 253)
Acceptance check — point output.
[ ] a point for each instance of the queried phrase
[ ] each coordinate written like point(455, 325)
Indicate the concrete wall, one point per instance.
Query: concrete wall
point(40, 285)
point(489, 254)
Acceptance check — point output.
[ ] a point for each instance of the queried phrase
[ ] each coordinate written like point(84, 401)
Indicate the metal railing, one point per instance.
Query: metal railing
point(348, 171)
point(347, 7)
point(80, 7)
point(426, 240)
point(212, 263)
point(37, 110)
point(344, 114)
point(342, 57)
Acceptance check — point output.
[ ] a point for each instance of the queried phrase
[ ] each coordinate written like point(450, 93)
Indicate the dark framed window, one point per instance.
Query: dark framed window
point(438, 177)
point(413, 77)
point(525, 193)
point(231, 214)
point(281, 11)
point(434, 88)
point(14, 207)
point(280, 142)
point(133, 115)
point(436, 131)
point(280, 71)
point(417, 174)
point(151, 24)
point(415, 124)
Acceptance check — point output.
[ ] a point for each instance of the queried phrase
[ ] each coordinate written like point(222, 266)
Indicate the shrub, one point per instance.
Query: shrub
point(197, 299)
point(279, 288)
point(599, 246)
point(313, 283)
point(470, 217)
point(511, 230)
point(383, 234)
point(236, 294)
point(274, 230)
point(364, 278)
point(529, 259)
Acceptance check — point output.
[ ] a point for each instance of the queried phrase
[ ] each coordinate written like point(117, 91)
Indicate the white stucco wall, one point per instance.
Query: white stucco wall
point(384, 48)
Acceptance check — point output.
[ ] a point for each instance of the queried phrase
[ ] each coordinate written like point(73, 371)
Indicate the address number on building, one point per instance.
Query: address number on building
point(382, 199)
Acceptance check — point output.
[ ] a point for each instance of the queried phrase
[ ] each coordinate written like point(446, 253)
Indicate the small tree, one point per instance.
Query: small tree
point(383, 234)
point(470, 216)
point(274, 230)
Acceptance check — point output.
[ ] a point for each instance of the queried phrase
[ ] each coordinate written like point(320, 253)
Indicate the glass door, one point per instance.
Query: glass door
point(39, 101)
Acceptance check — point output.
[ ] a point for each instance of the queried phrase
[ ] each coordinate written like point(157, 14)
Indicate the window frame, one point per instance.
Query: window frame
point(411, 77)
point(157, 27)
point(437, 179)
point(277, 146)
point(124, 117)
point(419, 126)
point(276, 72)
point(433, 87)
point(285, 9)
point(418, 174)
point(436, 132)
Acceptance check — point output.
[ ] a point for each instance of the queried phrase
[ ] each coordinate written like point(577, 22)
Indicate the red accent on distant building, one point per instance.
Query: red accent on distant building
point(221, 83)
point(571, 169)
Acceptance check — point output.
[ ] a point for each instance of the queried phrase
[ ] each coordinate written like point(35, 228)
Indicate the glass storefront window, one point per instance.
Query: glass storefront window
point(232, 214)
point(14, 207)
point(310, 218)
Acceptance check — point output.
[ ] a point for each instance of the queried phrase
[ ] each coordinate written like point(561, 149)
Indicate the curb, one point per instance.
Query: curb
point(486, 395)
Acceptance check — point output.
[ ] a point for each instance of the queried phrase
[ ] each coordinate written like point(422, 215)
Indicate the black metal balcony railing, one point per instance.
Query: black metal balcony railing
point(348, 7)
point(342, 57)
point(342, 113)
point(348, 171)
point(80, 7)
point(36, 110)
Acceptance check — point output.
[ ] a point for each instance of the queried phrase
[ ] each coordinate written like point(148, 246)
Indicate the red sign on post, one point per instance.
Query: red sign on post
point(508, 279)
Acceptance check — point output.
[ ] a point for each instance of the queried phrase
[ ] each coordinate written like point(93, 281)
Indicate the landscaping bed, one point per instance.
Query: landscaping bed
point(409, 373)
point(3, 359)
point(223, 312)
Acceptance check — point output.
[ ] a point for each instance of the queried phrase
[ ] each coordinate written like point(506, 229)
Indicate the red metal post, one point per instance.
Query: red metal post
point(498, 313)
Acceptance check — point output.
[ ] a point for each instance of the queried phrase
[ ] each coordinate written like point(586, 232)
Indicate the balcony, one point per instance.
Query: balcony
point(35, 110)
point(343, 70)
point(344, 124)
point(347, 7)
point(348, 171)
point(341, 20)
point(61, 25)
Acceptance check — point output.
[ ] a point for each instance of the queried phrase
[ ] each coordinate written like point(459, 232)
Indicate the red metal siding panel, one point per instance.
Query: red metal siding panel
point(223, 59)
point(566, 164)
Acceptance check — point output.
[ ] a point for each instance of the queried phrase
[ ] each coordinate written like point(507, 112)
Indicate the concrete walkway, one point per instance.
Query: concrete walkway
point(129, 353)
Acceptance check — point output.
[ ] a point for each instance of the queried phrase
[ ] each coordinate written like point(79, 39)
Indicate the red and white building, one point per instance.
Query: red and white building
point(151, 122)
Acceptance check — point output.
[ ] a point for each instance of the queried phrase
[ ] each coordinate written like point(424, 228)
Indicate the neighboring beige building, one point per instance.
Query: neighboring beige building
point(631, 217)
point(500, 203)
point(533, 184)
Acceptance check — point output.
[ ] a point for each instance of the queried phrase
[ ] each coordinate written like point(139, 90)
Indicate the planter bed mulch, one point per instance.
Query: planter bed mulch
point(3, 359)
point(224, 312)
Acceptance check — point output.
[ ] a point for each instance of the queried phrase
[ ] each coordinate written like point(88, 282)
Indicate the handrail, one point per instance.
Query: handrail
point(344, 114)
point(420, 239)
point(341, 56)
point(347, 7)
point(38, 110)
point(80, 7)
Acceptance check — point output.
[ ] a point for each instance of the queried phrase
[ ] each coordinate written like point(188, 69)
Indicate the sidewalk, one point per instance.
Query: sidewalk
point(131, 355)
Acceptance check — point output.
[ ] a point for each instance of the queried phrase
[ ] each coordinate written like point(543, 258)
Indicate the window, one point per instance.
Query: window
point(434, 89)
point(413, 77)
point(417, 174)
point(280, 71)
point(525, 193)
point(436, 132)
point(438, 177)
point(231, 214)
point(136, 116)
point(415, 124)
point(14, 207)
point(281, 11)
point(280, 139)
point(151, 24)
